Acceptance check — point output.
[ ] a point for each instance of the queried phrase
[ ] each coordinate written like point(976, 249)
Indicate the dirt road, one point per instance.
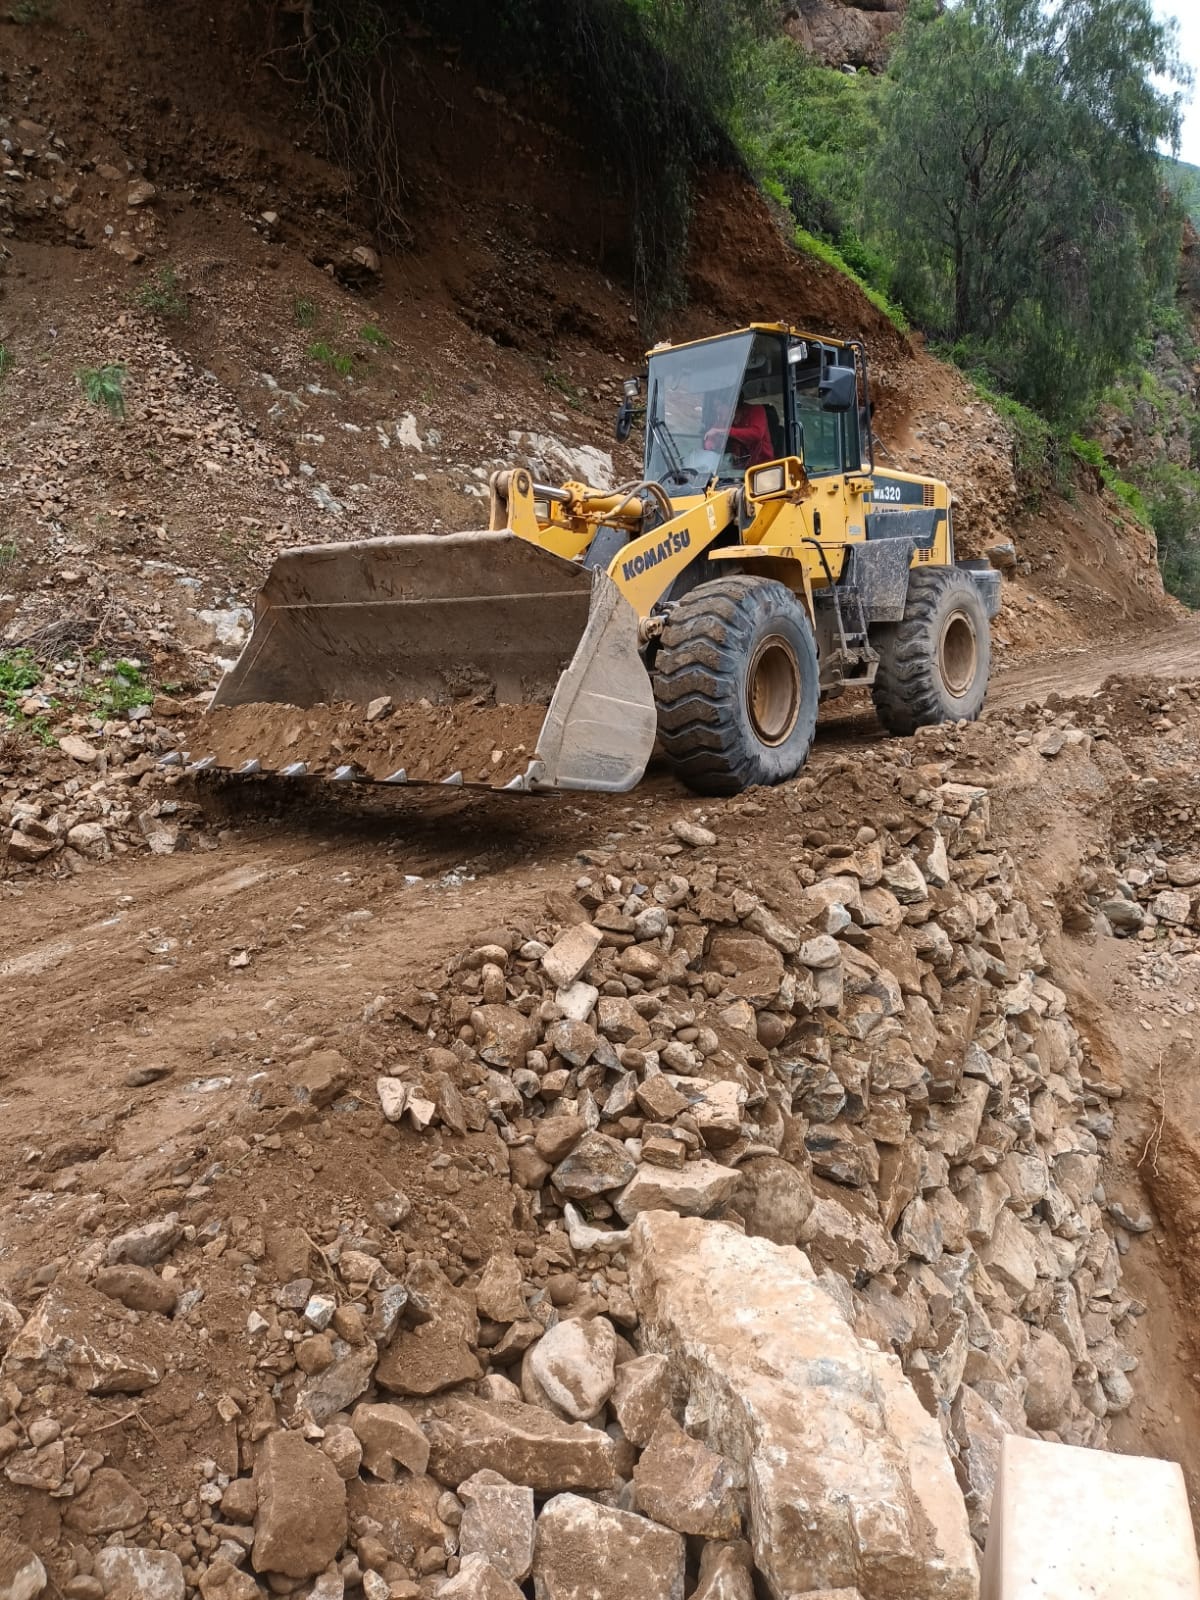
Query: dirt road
point(308, 915)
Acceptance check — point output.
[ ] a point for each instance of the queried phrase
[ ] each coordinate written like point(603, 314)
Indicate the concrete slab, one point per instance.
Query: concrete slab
point(1068, 1523)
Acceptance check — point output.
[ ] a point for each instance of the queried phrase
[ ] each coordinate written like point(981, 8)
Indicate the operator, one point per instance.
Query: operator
point(749, 438)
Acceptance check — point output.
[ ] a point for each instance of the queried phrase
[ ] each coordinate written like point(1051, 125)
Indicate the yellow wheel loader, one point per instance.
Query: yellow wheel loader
point(763, 562)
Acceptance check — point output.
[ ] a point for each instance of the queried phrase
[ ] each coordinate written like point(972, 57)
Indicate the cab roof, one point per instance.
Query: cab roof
point(753, 327)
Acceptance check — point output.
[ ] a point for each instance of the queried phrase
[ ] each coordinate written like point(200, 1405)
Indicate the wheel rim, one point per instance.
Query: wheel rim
point(773, 690)
point(958, 654)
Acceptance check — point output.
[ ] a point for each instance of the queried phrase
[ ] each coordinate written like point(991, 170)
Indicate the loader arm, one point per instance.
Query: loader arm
point(566, 520)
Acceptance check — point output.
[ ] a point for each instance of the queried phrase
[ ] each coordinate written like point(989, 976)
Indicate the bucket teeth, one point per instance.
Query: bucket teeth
point(455, 780)
point(346, 774)
point(205, 764)
point(399, 776)
point(294, 769)
point(248, 769)
point(173, 758)
point(521, 781)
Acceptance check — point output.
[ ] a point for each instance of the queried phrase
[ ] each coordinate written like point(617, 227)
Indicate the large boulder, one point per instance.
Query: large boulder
point(848, 1479)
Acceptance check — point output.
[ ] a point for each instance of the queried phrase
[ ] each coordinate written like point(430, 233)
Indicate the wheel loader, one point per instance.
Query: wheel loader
point(762, 563)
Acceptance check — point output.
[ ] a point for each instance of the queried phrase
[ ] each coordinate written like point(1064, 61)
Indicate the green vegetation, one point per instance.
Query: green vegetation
point(105, 386)
point(833, 257)
point(372, 335)
point(163, 295)
point(305, 312)
point(7, 361)
point(336, 360)
point(19, 673)
point(29, 12)
point(1017, 181)
point(121, 690)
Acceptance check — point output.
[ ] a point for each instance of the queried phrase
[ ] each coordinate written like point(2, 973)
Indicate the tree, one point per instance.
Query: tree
point(1019, 182)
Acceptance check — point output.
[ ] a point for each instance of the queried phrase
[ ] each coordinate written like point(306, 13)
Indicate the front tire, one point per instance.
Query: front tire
point(934, 663)
point(736, 684)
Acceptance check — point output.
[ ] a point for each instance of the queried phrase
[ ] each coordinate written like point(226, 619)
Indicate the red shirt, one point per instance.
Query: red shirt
point(749, 435)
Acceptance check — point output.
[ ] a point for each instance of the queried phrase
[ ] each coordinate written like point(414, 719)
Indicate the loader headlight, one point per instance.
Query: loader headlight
point(767, 480)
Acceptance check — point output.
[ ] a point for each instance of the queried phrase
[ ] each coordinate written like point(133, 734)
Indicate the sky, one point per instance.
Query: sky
point(1187, 14)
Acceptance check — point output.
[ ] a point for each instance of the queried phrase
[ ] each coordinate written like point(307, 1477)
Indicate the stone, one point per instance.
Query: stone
point(498, 1294)
point(983, 1197)
point(849, 1240)
point(525, 1444)
point(659, 1099)
point(575, 1042)
point(301, 1524)
point(139, 193)
point(1172, 906)
point(694, 1190)
point(109, 1504)
point(90, 840)
point(477, 1579)
point(138, 1288)
point(847, 1476)
point(954, 1128)
point(22, 1575)
point(339, 1385)
point(1008, 1256)
point(1117, 1525)
point(439, 1353)
point(822, 951)
point(773, 1198)
point(1049, 1372)
point(641, 1394)
point(341, 1445)
point(1126, 916)
point(725, 1572)
point(78, 749)
point(131, 1573)
point(691, 833)
point(503, 1035)
point(390, 1437)
point(570, 954)
point(224, 1581)
point(405, 1514)
point(574, 1366)
point(497, 1523)
point(147, 1245)
point(394, 1095)
point(557, 1136)
point(906, 881)
point(596, 1165)
point(979, 1431)
point(684, 1485)
point(586, 1551)
point(70, 1336)
point(239, 1501)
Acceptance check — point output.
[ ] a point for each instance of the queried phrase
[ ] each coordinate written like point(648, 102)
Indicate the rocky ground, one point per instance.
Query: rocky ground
point(405, 1243)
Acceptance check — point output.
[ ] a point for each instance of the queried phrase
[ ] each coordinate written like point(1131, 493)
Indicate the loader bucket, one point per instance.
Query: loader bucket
point(482, 620)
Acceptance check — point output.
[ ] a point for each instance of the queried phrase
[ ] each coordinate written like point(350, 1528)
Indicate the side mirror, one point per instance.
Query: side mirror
point(621, 429)
point(838, 389)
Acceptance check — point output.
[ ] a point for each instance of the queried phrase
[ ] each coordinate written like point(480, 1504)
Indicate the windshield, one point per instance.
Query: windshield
point(707, 410)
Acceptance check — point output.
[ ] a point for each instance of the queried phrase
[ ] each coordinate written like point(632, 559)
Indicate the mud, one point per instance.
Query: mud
point(488, 744)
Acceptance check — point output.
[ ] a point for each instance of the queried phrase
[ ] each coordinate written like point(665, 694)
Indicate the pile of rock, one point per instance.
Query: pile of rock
point(95, 795)
point(762, 1159)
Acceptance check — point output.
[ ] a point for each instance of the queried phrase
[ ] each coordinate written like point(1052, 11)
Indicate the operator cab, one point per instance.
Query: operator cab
point(720, 406)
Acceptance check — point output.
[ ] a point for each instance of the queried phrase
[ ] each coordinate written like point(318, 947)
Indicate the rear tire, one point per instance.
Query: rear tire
point(934, 664)
point(736, 684)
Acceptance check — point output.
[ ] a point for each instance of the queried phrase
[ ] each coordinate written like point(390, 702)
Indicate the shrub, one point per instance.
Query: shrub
point(372, 335)
point(305, 312)
point(162, 294)
point(105, 386)
point(7, 361)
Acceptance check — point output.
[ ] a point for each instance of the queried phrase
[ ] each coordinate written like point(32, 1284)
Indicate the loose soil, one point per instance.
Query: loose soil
point(488, 744)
